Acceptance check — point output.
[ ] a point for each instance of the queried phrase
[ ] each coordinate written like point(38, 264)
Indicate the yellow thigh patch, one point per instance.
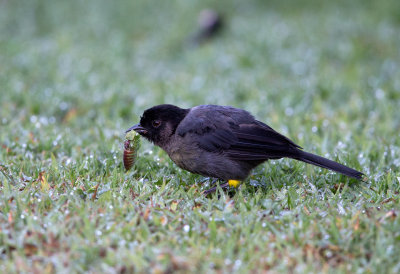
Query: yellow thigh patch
point(234, 183)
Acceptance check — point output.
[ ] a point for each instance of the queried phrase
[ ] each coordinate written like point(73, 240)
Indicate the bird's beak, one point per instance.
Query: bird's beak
point(138, 128)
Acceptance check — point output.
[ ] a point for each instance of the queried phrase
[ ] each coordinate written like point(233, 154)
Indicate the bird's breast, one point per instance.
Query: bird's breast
point(184, 157)
point(182, 153)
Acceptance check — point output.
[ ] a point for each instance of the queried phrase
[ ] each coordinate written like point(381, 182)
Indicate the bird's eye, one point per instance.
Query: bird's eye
point(156, 123)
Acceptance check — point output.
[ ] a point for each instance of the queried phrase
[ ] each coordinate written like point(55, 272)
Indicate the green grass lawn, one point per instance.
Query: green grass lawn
point(74, 75)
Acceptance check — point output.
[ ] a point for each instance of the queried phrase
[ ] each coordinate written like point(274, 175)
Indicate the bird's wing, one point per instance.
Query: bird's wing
point(258, 141)
point(235, 133)
point(210, 127)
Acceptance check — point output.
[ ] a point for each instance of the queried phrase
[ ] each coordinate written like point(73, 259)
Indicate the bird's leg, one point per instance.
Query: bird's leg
point(214, 182)
point(210, 181)
point(213, 189)
point(230, 183)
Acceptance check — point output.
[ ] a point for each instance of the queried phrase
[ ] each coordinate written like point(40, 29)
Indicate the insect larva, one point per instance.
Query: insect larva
point(131, 147)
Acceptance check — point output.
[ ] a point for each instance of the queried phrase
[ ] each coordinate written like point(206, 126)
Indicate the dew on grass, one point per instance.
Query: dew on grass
point(323, 214)
point(341, 145)
point(341, 209)
point(63, 106)
point(43, 120)
point(390, 250)
point(186, 228)
point(237, 264)
point(379, 94)
point(33, 119)
point(289, 111)
point(29, 155)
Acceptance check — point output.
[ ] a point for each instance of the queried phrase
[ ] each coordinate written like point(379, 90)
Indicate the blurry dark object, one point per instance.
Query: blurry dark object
point(209, 23)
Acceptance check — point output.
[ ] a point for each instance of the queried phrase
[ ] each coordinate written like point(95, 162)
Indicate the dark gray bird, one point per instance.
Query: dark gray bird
point(210, 23)
point(221, 141)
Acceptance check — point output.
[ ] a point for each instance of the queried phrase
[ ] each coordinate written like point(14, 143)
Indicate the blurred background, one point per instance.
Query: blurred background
point(83, 71)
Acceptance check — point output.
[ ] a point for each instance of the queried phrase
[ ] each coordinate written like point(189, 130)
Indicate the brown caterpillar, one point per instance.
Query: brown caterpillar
point(131, 147)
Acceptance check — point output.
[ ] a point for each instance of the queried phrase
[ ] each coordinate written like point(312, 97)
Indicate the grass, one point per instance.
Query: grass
point(75, 74)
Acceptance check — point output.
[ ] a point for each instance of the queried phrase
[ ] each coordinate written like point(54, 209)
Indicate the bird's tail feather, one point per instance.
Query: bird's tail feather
point(325, 163)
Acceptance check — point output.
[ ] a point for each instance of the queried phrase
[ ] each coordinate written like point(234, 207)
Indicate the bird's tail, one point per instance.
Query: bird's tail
point(325, 163)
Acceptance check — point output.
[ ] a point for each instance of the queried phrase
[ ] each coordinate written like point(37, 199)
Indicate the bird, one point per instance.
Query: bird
point(222, 142)
point(210, 23)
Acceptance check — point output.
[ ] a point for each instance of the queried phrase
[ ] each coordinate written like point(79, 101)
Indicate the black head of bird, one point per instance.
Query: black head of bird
point(158, 124)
